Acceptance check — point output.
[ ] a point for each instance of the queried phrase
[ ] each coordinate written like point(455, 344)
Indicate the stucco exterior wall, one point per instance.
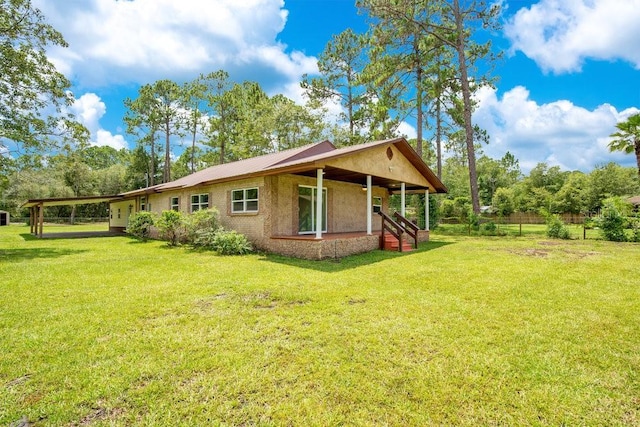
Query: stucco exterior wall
point(346, 210)
point(250, 224)
point(278, 214)
point(119, 214)
point(386, 162)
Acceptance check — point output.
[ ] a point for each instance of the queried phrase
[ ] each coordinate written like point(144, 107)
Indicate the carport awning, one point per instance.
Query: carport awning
point(66, 201)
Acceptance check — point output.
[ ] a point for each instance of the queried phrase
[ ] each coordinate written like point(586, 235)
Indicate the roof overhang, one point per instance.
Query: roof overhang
point(70, 201)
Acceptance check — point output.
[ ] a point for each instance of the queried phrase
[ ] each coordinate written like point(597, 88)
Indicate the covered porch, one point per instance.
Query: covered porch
point(36, 213)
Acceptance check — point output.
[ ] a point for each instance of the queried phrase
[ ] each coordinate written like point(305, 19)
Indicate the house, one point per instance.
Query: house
point(315, 201)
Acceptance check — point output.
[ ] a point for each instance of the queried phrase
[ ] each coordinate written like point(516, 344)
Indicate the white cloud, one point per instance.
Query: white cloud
point(139, 41)
point(559, 35)
point(407, 130)
point(559, 133)
point(89, 109)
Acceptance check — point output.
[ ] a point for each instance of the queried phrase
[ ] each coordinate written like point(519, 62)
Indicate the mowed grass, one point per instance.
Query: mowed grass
point(465, 331)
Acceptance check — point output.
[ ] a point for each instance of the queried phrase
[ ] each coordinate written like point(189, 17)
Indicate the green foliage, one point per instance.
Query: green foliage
point(556, 228)
point(503, 202)
point(635, 229)
point(489, 229)
point(627, 138)
point(201, 225)
point(230, 242)
point(612, 223)
point(31, 85)
point(171, 226)
point(140, 224)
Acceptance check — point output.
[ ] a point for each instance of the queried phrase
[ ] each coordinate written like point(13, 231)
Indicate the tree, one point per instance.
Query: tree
point(33, 94)
point(453, 25)
point(401, 52)
point(608, 181)
point(222, 112)
point(571, 196)
point(159, 108)
point(193, 96)
point(494, 174)
point(627, 139)
point(292, 125)
point(341, 65)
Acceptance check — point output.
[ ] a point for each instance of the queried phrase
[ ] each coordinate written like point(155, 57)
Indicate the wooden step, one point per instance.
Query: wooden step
point(391, 244)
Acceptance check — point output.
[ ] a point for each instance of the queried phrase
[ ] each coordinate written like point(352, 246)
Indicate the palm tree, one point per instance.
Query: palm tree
point(627, 139)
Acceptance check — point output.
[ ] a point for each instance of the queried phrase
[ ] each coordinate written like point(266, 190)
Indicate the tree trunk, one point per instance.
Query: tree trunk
point(193, 141)
point(636, 146)
point(152, 166)
point(167, 153)
point(439, 137)
point(466, 97)
point(72, 219)
point(419, 118)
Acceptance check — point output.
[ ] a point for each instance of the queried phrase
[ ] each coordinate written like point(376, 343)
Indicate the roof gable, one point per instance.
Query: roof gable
point(311, 157)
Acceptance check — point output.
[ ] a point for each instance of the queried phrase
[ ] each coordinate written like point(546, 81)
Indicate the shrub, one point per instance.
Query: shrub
point(556, 228)
point(140, 225)
point(171, 226)
point(635, 229)
point(230, 243)
point(489, 228)
point(612, 223)
point(201, 222)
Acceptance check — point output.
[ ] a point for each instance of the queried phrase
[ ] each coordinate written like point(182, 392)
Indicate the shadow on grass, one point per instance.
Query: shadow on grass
point(18, 255)
point(352, 261)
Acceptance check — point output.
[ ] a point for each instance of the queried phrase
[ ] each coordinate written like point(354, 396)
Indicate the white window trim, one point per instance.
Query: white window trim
point(199, 204)
point(174, 207)
point(244, 200)
point(375, 205)
point(325, 209)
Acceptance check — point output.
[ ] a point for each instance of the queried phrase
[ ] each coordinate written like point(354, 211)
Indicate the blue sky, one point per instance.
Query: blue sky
point(570, 72)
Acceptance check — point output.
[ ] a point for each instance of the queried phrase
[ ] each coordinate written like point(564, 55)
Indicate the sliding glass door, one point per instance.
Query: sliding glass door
point(307, 210)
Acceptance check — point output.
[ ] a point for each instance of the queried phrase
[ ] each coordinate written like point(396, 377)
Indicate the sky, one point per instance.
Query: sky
point(570, 69)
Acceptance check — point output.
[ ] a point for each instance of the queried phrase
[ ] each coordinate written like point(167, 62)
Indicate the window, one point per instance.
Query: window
point(377, 204)
point(199, 201)
point(245, 200)
point(175, 204)
point(143, 203)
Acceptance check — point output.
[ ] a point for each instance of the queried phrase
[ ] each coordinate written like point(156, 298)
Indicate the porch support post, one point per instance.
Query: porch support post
point(426, 210)
point(402, 199)
point(369, 205)
point(319, 204)
point(41, 208)
point(31, 215)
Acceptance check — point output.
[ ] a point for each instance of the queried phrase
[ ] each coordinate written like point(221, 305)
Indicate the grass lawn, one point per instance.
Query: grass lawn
point(465, 331)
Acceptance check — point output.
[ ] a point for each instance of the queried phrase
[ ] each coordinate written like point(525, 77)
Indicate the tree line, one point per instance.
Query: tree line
point(419, 62)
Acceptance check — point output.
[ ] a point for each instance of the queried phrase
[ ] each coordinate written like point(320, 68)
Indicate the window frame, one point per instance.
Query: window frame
point(200, 204)
point(375, 205)
point(245, 200)
point(174, 206)
point(143, 203)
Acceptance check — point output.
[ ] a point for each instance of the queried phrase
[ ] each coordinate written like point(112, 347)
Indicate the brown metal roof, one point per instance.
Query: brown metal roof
point(302, 160)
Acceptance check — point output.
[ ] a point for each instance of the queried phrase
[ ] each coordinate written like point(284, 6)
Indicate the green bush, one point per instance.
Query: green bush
point(140, 225)
point(612, 223)
point(230, 243)
point(171, 226)
point(489, 228)
point(201, 222)
point(635, 229)
point(556, 228)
